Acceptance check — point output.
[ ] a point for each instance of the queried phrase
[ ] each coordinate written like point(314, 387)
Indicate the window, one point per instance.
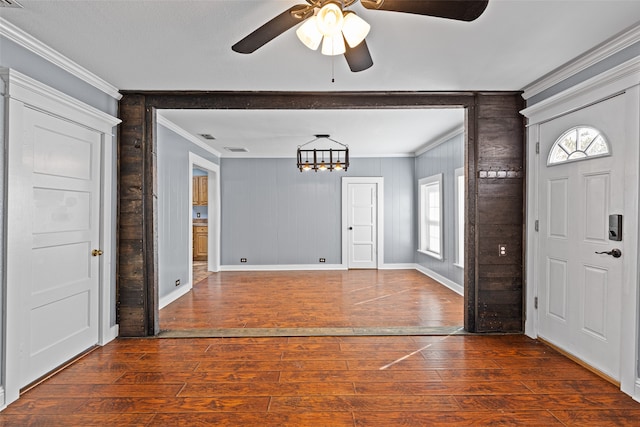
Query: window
point(459, 182)
point(578, 143)
point(430, 223)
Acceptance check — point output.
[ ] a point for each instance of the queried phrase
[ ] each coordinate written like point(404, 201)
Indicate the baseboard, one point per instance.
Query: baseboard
point(398, 266)
point(168, 299)
point(110, 335)
point(275, 267)
point(3, 404)
point(636, 392)
point(441, 279)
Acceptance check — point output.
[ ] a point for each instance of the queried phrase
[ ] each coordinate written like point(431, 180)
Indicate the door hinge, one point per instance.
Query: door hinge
point(535, 303)
point(537, 225)
point(537, 148)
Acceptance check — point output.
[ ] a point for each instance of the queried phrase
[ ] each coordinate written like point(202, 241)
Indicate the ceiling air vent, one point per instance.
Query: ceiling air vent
point(207, 136)
point(236, 149)
point(10, 3)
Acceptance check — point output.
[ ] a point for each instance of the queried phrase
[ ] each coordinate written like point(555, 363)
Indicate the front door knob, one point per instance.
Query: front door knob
point(616, 253)
point(96, 252)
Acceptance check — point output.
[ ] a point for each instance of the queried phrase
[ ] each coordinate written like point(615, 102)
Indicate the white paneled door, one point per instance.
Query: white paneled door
point(580, 291)
point(61, 181)
point(362, 225)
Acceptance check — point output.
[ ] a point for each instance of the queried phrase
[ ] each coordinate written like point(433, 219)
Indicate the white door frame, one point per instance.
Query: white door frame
point(379, 182)
point(213, 203)
point(625, 79)
point(23, 92)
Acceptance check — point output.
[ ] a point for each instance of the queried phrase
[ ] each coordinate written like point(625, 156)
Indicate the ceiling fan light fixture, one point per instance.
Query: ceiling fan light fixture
point(309, 34)
point(354, 29)
point(330, 19)
point(333, 45)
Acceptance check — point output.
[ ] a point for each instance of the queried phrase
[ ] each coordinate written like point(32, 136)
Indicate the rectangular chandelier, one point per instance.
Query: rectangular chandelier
point(322, 159)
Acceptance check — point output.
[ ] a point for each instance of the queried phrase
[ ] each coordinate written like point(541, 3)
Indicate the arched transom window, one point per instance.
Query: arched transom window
point(578, 143)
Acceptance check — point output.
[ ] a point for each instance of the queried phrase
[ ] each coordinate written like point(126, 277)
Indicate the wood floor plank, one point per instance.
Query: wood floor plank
point(551, 402)
point(458, 419)
point(440, 388)
point(267, 389)
point(176, 404)
point(197, 377)
point(600, 418)
point(66, 420)
point(362, 403)
point(359, 376)
point(49, 390)
point(333, 419)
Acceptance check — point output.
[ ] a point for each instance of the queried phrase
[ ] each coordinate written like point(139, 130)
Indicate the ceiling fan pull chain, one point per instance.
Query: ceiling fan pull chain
point(333, 69)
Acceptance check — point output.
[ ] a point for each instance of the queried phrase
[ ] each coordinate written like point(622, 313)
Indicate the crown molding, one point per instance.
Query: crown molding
point(161, 120)
point(611, 82)
point(32, 92)
point(27, 41)
point(440, 140)
point(591, 57)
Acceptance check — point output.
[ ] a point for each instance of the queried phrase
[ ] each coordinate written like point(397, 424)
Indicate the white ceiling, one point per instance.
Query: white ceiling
point(186, 45)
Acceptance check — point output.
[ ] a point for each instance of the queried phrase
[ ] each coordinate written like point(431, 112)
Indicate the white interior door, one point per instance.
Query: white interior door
point(362, 223)
point(580, 292)
point(61, 176)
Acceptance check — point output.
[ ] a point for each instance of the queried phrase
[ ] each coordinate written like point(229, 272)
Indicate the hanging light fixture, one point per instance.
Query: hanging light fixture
point(331, 27)
point(319, 162)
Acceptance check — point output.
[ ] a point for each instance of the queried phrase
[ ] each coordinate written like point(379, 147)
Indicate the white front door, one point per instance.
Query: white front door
point(362, 207)
point(580, 292)
point(61, 182)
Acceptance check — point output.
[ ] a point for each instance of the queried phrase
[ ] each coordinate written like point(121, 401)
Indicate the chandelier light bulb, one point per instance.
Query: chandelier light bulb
point(333, 45)
point(355, 29)
point(309, 34)
point(330, 20)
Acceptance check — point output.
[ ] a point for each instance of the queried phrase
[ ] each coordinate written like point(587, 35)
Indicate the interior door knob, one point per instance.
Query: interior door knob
point(96, 252)
point(350, 228)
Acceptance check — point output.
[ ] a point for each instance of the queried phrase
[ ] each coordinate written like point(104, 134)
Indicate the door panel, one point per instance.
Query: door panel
point(362, 225)
point(580, 294)
point(60, 292)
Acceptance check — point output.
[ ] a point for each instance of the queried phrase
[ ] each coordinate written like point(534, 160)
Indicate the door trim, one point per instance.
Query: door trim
point(23, 92)
point(213, 207)
point(379, 182)
point(623, 79)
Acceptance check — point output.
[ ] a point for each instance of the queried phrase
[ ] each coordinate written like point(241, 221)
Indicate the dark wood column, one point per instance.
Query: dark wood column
point(500, 208)
point(495, 193)
point(137, 207)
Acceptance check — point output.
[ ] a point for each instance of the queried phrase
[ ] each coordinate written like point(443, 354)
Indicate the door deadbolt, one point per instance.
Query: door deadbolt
point(616, 253)
point(96, 252)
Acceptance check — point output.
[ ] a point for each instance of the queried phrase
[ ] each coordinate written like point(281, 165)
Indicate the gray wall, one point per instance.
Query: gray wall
point(173, 207)
point(445, 159)
point(272, 214)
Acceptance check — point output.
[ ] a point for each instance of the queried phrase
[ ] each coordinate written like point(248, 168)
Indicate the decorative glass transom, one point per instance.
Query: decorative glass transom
point(578, 143)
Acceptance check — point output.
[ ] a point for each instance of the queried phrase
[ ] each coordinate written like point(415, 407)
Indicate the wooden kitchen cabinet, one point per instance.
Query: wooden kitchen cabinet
point(200, 246)
point(200, 190)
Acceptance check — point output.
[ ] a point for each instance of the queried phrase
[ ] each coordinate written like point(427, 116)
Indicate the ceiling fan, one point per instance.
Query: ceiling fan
point(342, 32)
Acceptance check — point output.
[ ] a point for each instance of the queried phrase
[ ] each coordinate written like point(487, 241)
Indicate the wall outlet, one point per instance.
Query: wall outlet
point(178, 282)
point(243, 260)
point(323, 260)
point(502, 249)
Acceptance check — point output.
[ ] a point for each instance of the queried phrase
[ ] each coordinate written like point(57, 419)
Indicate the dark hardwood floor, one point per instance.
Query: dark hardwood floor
point(445, 380)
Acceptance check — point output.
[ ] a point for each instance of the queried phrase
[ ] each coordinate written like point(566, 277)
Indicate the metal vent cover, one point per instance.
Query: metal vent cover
point(236, 149)
point(207, 136)
point(10, 3)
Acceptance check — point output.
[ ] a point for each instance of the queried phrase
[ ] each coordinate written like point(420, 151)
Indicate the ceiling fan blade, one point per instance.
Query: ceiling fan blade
point(271, 29)
point(461, 10)
point(359, 57)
